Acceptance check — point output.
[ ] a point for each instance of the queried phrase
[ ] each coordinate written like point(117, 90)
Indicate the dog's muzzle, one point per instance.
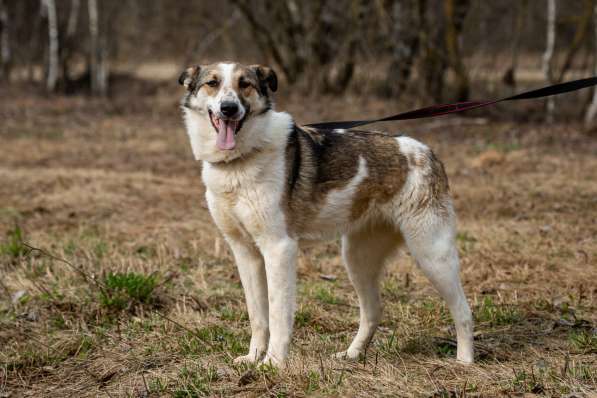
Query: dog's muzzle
point(227, 124)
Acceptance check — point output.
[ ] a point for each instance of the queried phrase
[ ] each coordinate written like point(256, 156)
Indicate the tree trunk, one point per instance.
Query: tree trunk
point(509, 77)
point(547, 66)
point(338, 70)
point(592, 110)
point(405, 34)
point(433, 62)
point(317, 40)
point(582, 29)
point(52, 76)
point(5, 50)
point(69, 41)
point(455, 13)
point(103, 70)
point(269, 41)
point(98, 52)
point(73, 18)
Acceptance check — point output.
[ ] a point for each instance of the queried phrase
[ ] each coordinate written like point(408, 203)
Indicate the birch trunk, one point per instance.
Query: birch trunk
point(102, 70)
point(592, 110)
point(94, 45)
point(98, 50)
point(73, 18)
point(548, 55)
point(53, 60)
point(69, 41)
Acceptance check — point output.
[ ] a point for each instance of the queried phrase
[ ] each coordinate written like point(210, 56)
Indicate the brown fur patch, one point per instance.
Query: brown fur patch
point(318, 162)
point(388, 169)
point(245, 74)
point(321, 161)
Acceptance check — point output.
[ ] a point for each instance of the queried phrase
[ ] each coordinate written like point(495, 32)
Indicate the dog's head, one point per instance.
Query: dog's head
point(228, 94)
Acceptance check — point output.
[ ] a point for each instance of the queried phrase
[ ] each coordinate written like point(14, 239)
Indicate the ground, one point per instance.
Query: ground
point(150, 303)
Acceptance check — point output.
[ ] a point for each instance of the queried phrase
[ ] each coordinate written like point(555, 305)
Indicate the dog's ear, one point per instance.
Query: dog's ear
point(267, 77)
point(189, 77)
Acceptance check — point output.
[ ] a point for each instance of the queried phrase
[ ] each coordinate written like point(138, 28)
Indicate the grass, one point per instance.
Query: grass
point(195, 382)
point(213, 338)
point(496, 315)
point(584, 341)
point(325, 295)
point(121, 290)
point(162, 313)
point(13, 246)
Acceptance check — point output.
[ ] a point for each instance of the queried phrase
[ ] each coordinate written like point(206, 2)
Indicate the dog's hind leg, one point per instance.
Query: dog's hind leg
point(431, 240)
point(365, 252)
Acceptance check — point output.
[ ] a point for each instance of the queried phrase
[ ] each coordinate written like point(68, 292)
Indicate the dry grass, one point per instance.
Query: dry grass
point(112, 188)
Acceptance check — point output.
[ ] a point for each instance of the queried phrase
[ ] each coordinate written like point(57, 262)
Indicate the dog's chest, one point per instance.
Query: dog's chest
point(248, 196)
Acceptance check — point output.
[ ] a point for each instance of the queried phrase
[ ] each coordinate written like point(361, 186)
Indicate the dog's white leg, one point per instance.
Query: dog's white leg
point(252, 275)
point(432, 243)
point(364, 253)
point(280, 256)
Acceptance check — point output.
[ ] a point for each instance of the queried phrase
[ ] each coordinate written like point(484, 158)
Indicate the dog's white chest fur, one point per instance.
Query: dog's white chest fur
point(247, 193)
point(250, 194)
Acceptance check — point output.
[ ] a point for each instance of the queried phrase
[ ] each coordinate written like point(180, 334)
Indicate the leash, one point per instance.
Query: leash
point(445, 109)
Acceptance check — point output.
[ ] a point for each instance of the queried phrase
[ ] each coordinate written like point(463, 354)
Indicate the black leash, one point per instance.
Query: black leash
point(438, 110)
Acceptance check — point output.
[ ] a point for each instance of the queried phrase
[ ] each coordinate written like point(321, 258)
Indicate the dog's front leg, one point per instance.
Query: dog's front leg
point(252, 275)
point(280, 255)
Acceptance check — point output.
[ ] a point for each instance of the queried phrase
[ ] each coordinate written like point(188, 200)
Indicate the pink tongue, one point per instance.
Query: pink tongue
point(226, 129)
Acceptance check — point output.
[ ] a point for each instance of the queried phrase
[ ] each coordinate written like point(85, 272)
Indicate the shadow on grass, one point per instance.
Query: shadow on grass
point(503, 332)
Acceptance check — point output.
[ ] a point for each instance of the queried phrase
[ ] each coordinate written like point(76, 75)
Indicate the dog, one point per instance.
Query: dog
point(272, 184)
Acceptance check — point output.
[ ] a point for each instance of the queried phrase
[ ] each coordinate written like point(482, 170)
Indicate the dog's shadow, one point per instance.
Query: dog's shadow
point(504, 333)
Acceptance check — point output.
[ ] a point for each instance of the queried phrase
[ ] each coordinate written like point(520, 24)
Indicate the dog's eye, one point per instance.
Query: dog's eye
point(243, 84)
point(212, 83)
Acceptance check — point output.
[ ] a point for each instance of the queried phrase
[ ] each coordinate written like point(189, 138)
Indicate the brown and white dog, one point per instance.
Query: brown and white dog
point(272, 184)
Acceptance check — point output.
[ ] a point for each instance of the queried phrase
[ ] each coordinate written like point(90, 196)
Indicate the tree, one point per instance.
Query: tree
point(406, 16)
point(580, 35)
point(69, 42)
point(455, 12)
point(519, 17)
point(53, 45)
point(98, 65)
point(592, 109)
point(5, 49)
point(318, 39)
point(441, 33)
point(548, 54)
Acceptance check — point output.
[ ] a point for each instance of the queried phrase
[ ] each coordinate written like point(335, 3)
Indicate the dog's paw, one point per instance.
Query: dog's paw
point(271, 360)
point(248, 359)
point(465, 359)
point(351, 355)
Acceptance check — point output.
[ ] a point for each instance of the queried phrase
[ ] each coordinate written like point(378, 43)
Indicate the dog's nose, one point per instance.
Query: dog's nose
point(229, 108)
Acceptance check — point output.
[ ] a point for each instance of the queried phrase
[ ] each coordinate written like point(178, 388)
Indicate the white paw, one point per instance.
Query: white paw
point(350, 354)
point(272, 360)
point(248, 359)
point(465, 359)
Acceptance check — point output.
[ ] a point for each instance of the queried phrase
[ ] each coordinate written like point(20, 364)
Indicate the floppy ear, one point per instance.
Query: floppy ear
point(189, 77)
point(267, 77)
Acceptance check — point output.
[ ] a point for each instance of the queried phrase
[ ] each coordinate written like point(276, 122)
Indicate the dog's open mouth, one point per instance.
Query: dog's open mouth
point(227, 130)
